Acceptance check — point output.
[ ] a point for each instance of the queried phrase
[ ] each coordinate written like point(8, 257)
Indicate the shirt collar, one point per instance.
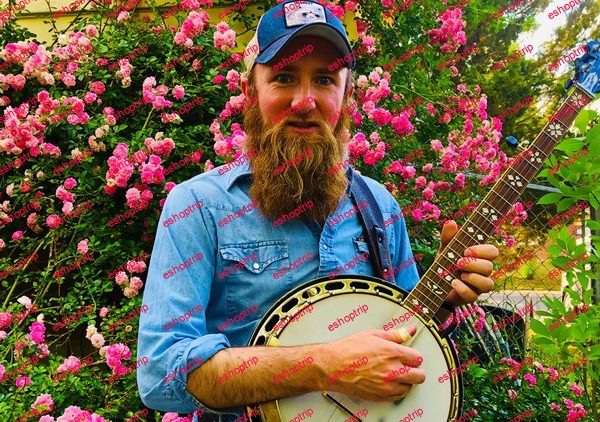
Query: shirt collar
point(242, 170)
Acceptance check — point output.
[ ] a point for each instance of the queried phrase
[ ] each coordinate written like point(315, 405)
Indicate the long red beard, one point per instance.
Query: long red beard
point(306, 177)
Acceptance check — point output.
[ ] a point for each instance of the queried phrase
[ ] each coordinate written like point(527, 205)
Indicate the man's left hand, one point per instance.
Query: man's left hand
point(474, 279)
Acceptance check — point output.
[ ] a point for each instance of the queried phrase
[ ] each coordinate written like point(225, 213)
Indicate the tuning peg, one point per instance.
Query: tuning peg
point(512, 141)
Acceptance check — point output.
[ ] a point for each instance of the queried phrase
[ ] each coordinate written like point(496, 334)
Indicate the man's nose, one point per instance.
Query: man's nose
point(303, 104)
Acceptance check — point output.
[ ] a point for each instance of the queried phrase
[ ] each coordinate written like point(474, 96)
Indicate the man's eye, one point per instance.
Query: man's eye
point(327, 78)
point(286, 78)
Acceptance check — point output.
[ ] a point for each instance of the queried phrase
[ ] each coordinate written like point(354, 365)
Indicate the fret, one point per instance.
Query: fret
point(434, 288)
point(517, 180)
point(422, 299)
point(504, 191)
point(514, 190)
point(510, 204)
point(546, 154)
point(457, 240)
point(469, 230)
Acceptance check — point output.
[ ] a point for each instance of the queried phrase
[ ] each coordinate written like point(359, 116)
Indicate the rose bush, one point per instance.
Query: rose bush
point(102, 124)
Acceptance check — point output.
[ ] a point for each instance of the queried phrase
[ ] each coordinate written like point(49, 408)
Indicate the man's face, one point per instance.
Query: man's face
point(295, 116)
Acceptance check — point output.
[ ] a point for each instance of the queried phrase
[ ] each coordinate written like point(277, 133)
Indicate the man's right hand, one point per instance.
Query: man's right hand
point(371, 357)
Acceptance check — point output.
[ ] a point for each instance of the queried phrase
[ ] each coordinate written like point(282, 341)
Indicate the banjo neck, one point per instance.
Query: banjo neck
point(435, 285)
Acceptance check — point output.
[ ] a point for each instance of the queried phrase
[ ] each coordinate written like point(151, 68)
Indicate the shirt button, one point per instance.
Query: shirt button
point(256, 266)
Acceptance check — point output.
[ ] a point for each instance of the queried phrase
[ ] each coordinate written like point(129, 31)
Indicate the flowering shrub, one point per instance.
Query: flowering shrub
point(519, 386)
point(96, 136)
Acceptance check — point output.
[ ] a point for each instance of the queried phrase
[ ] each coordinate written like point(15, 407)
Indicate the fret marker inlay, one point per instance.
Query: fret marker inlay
point(555, 130)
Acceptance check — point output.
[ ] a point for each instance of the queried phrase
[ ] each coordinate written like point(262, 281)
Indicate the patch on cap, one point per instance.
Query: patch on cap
point(303, 12)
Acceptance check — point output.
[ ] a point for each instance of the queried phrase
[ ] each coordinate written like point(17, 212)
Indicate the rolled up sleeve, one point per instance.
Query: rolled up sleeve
point(176, 349)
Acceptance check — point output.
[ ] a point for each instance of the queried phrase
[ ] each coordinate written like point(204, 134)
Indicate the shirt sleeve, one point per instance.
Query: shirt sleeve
point(172, 332)
point(404, 267)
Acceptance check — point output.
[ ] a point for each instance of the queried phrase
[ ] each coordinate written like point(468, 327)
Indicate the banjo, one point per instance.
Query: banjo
point(287, 322)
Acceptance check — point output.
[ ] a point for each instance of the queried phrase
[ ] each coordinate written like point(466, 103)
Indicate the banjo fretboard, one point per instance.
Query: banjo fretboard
point(435, 284)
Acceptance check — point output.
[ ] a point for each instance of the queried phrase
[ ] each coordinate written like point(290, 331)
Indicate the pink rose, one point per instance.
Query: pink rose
point(70, 183)
point(5, 319)
point(22, 382)
point(82, 247)
point(53, 221)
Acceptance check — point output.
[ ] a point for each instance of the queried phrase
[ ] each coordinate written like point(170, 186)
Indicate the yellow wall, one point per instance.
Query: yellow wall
point(36, 12)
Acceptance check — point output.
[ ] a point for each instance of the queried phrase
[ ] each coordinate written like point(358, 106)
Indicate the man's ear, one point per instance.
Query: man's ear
point(244, 83)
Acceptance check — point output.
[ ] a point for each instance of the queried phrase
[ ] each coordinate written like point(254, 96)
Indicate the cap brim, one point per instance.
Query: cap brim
point(318, 29)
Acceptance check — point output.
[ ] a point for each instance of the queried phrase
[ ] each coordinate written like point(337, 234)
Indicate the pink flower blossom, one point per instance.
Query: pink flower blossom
point(22, 382)
point(555, 407)
point(37, 332)
point(178, 92)
point(98, 87)
point(70, 183)
point(530, 378)
point(43, 403)
point(71, 364)
point(134, 266)
point(512, 394)
point(82, 246)
point(5, 319)
point(53, 221)
point(576, 389)
point(25, 301)
point(97, 340)
point(103, 312)
point(17, 235)
point(136, 283)
point(121, 278)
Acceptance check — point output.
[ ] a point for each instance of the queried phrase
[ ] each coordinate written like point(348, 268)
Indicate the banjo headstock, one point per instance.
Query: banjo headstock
point(587, 69)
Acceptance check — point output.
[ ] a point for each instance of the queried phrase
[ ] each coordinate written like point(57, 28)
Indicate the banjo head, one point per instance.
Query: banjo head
point(315, 312)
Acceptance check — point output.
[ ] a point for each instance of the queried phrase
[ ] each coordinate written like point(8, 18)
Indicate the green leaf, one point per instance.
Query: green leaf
point(582, 120)
point(550, 198)
point(593, 138)
point(539, 328)
point(565, 204)
point(570, 145)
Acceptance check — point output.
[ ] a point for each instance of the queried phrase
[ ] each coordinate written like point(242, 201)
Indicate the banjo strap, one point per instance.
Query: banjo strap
point(372, 221)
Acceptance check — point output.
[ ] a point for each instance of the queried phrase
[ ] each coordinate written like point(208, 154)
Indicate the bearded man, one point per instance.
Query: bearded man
point(292, 110)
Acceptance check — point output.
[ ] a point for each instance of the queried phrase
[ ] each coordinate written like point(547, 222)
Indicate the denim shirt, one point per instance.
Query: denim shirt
point(218, 265)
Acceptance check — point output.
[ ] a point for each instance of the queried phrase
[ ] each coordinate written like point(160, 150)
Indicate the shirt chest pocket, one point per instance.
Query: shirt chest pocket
point(247, 271)
point(361, 262)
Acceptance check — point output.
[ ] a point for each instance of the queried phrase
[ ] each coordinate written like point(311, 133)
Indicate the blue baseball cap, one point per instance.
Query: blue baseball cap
point(280, 24)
